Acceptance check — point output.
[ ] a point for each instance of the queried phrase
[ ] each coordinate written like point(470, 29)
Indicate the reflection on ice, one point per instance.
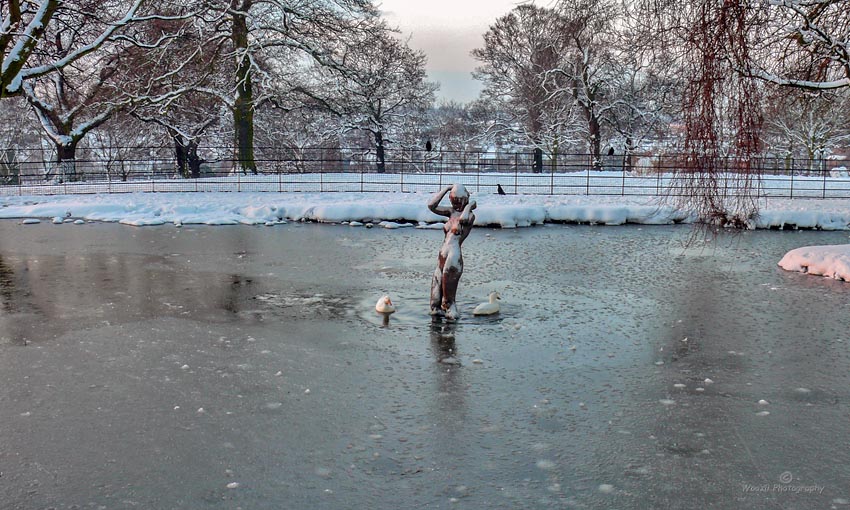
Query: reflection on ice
point(443, 342)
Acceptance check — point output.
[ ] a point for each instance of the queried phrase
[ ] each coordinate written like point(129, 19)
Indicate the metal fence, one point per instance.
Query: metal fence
point(353, 170)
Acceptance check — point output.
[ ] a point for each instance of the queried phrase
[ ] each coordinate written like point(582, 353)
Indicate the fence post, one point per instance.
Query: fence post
point(791, 191)
point(516, 172)
point(477, 171)
point(623, 186)
point(823, 170)
point(659, 171)
point(401, 175)
point(440, 174)
point(551, 180)
point(587, 180)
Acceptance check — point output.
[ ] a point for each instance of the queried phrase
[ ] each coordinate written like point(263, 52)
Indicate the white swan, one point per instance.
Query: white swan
point(488, 308)
point(384, 305)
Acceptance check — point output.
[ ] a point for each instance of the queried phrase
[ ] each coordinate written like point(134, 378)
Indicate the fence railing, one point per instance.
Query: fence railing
point(350, 170)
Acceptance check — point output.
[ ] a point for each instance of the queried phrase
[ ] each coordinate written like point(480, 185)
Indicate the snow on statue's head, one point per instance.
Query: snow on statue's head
point(459, 197)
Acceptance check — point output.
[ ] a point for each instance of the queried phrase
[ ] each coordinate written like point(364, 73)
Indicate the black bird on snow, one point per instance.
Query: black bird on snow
point(428, 146)
point(610, 151)
point(499, 189)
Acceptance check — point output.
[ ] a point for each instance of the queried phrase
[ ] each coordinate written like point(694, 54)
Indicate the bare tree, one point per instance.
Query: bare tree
point(807, 125)
point(175, 100)
point(587, 28)
point(521, 52)
point(710, 43)
point(300, 137)
point(641, 91)
point(801, 43)
point(380, 81)
point(75, 99)
point(25, 27)
point(263, 38)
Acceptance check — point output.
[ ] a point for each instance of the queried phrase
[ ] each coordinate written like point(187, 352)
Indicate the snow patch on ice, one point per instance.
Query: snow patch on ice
point(545, 464)
point(831, 261)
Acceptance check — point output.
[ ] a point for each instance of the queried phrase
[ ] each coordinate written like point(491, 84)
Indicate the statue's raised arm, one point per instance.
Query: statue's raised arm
point(434, 204)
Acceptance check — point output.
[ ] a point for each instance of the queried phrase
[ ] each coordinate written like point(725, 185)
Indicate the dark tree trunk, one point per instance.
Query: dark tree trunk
point(194, 160)
point(538, 160)
point(186, 153)
point(243, 110)
point(379, 145)
point(66, 161)
point(180, 154)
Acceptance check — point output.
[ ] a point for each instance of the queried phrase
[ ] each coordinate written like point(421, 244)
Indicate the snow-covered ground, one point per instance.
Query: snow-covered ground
point(506, 211)
point(394, 210)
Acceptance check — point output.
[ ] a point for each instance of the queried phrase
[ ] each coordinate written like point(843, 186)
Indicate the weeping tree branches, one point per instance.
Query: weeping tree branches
point(722, 117)
point(709, 41)
point(731, 52)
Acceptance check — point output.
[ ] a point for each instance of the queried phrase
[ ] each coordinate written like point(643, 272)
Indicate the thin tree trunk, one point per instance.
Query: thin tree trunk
point(243, 110)
point(595, 139)
point(627, 156)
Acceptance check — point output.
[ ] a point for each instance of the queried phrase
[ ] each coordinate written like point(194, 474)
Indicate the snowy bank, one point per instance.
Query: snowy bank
point(505, 211)
point(140, 209)
point(829, 261)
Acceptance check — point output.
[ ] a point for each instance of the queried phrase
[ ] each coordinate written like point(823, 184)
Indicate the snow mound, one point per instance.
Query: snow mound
point(829, 261)
point(510, 216)
point(811, 219)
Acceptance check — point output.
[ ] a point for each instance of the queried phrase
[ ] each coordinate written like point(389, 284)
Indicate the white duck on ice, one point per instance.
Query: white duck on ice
point(488, 308)
point(385, 305)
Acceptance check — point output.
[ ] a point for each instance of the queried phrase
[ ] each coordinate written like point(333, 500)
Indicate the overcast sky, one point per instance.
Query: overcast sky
point(447, 31)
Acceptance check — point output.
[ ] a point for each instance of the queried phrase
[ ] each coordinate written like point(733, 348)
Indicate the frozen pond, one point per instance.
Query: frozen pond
point(245, 367)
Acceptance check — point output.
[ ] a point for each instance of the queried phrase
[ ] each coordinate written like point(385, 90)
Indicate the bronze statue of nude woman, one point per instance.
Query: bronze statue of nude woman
point(450, 260)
